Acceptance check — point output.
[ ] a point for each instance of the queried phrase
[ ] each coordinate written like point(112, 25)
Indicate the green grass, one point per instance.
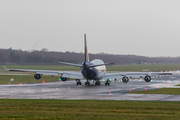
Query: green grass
point(135, 67)
point(87, 109)
point(170, 91)
point(5, 79)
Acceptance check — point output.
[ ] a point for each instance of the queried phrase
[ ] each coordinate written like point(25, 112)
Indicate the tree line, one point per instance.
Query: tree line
point(33, 57)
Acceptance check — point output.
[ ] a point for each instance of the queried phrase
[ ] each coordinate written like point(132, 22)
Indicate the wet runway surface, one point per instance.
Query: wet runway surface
point(69, 90)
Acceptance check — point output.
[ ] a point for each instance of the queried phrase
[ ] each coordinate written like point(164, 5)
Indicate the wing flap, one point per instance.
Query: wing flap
point(47, 73)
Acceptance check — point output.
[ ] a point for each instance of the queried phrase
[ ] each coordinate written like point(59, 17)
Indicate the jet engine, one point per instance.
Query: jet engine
point(147, 78)
point(37, 76)
point(125, 79)
point(64, 78)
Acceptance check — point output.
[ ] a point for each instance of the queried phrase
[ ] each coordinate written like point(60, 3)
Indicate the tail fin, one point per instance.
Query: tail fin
point(86, 55)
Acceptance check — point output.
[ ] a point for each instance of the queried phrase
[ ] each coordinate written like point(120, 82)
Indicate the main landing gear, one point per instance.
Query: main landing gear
point(87, 83)
point(107, 83)
point(97, 83)
point(78, 82)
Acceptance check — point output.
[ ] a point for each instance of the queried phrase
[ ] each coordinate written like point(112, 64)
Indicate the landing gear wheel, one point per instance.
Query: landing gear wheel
point(97, 83)
point(78, 83)
point(107, 83)
point(87, 83)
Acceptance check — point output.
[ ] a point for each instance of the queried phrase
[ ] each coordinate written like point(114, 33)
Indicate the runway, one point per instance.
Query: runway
point(69, 90)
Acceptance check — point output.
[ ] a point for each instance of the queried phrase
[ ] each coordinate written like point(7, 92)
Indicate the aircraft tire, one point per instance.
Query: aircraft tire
point(99, 83)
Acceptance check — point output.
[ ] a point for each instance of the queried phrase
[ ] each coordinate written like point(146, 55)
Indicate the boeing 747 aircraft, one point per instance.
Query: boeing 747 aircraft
point(92, 70)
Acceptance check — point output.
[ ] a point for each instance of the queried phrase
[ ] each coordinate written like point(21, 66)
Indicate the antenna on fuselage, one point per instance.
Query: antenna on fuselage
point(86, 55)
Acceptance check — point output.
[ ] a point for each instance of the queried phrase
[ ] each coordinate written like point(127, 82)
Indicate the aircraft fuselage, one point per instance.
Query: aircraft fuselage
point(91, 73)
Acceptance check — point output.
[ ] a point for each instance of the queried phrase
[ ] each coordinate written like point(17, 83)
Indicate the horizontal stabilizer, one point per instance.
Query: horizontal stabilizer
point(78, 65)
point(102, 64)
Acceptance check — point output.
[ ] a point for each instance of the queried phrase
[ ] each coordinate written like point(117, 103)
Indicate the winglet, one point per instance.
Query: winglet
point(4, 67)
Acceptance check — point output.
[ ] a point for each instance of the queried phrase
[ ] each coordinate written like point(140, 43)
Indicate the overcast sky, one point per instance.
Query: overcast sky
point(138, 27)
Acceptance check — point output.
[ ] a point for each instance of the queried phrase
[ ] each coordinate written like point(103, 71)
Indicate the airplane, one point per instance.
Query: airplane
point(91, 70)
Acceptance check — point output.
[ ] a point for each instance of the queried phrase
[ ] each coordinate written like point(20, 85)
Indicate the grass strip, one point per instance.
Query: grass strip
point(88, 109)
point(170, 91)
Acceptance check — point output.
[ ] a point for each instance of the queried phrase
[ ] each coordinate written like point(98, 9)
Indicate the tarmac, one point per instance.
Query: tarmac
point(70, 91)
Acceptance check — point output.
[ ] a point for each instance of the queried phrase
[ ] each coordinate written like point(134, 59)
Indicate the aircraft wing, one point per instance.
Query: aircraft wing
point(130, 74)
point(76, 75)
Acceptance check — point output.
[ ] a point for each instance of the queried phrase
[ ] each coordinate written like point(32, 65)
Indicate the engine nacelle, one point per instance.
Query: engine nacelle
point(147, 78)
point(125, 79)
point(64, 78)
point(37, 76)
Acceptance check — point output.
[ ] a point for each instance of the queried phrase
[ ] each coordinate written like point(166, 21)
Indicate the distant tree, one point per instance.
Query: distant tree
point(13, 57)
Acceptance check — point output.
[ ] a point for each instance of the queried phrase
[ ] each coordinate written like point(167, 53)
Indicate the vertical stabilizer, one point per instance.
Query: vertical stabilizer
point(86, 55)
